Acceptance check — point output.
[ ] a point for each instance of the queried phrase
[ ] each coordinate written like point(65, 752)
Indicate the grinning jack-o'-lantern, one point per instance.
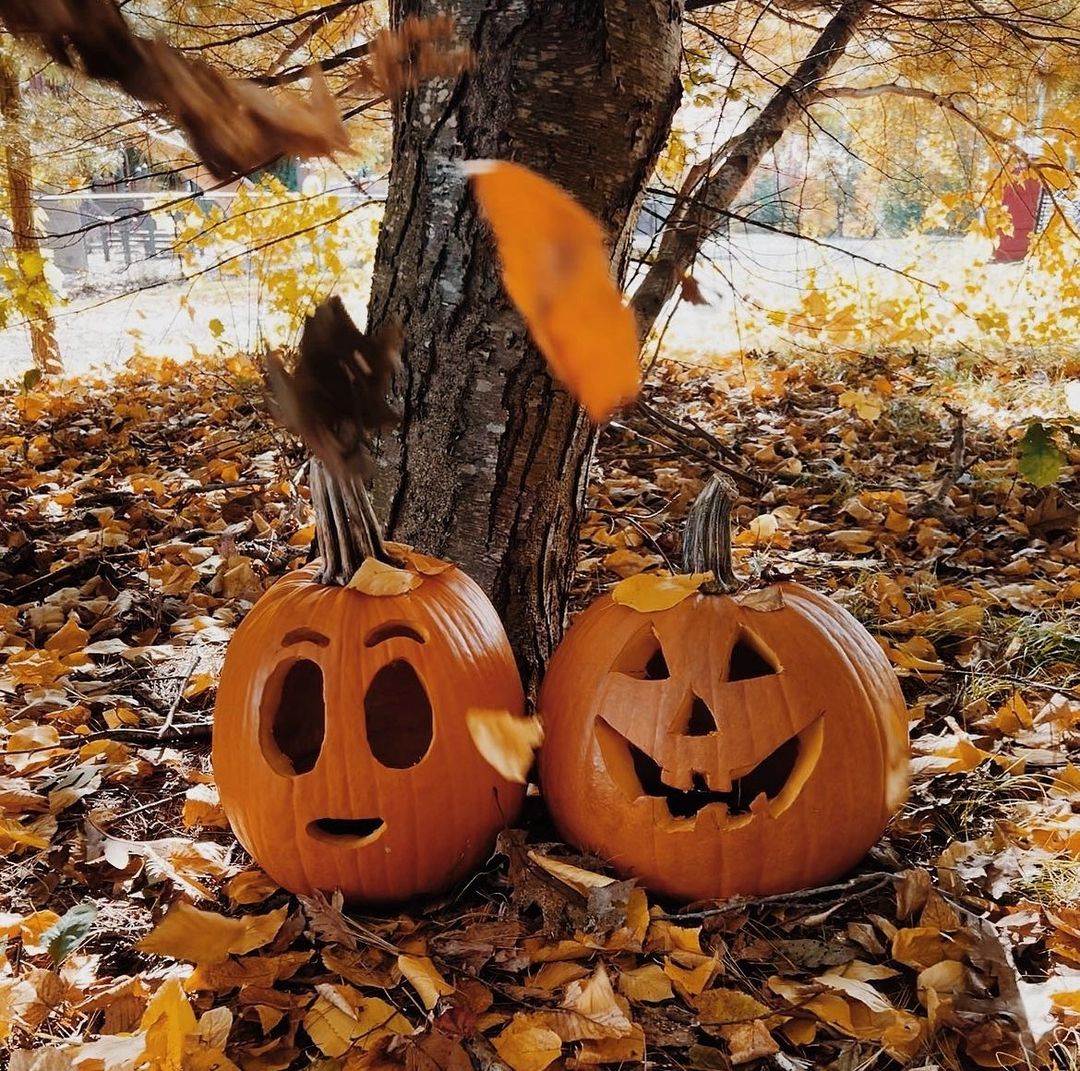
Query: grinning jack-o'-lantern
point(721, 746)
point(341, 749)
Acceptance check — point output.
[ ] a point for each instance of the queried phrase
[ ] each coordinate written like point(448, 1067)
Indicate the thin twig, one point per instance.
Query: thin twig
point(167, 724)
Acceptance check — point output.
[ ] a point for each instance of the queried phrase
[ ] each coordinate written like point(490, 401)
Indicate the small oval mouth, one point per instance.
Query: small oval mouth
point(347, 832)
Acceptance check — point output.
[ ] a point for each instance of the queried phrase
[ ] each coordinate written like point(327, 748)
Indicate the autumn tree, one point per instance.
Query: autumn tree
point(490, 464)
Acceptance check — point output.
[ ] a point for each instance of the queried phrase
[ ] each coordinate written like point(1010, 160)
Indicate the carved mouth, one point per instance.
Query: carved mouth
point(350, 832)
point(771, 786)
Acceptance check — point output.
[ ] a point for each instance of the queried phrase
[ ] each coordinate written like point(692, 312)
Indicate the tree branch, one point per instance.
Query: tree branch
point(711, 187)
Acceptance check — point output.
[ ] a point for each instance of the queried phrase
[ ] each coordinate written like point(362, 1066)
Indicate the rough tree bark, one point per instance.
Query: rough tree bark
point(490, 465)
point(25, 238)
point(712, 186)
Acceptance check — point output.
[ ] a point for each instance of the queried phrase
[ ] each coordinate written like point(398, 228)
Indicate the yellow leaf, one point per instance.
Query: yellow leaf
point(425, 979)
point(341, 1015)
point(202, 807)
point(665, 936)
point(506, 741)
point(167, 1022)
point(646, 985)
point(591, 1010)
point(628, 1051)
point(693, 974)
point(650, 592)
point(556, 270)
point(68, 639)
point(720, 1006)
point(576, 877)
point(748, 1041)
point(526, 1046)
point(250, 887)
point(197, 936)
point(377, 578)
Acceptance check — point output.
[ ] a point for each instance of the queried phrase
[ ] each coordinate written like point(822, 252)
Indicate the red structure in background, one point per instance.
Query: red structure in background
point(1022, 201)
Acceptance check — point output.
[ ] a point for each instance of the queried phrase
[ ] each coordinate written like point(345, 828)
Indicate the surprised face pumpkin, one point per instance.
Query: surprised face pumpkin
point(719, 750)
point(341, 749)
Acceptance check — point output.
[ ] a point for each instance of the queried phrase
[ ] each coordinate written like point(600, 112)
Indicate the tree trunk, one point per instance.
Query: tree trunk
point(706, 198)
point(17, 158)
point(490, 466)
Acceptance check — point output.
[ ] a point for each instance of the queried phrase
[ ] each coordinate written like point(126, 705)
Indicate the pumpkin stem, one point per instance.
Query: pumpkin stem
point(346, 526)
point(707, 535)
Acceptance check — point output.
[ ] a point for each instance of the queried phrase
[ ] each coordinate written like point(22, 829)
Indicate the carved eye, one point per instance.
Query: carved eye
point(751, 658)
point(397, 713)
point(643, 657)
point(293, 715)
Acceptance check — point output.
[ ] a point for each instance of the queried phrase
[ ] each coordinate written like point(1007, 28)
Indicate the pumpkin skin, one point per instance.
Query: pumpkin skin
point(306, 805)
point(714, 750)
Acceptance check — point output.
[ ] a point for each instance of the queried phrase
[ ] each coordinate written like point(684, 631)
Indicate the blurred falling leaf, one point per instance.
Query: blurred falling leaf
point(1041, 459)
point(506, 741)
point(556, 269)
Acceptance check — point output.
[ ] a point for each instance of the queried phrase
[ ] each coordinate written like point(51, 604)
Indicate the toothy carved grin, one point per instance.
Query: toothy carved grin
point(350, 832)
point(771, 785)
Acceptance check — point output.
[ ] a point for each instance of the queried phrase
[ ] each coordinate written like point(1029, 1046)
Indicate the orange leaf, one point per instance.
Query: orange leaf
point(557, 272)
point(506, 740)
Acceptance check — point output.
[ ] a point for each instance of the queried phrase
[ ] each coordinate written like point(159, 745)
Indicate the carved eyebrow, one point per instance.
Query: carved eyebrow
point(393, 630)
point(305, 635)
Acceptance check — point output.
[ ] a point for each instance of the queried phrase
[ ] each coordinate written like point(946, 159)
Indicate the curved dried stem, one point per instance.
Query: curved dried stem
point(707, 535)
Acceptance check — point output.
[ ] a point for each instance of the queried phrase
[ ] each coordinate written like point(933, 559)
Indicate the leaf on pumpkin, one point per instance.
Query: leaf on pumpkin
point(377, 578)
point(763, 600)
point(651, 592)
point(506, 741)
point(197, 936)
point(556, 270)
point(425, 978)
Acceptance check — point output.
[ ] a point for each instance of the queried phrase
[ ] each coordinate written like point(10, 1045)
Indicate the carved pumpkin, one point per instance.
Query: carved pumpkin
point(342, 746)
point(341, 749)
point(722, 747)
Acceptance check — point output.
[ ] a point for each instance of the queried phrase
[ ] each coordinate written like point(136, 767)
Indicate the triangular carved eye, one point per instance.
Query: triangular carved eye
point(749, 660)
point(643, 658)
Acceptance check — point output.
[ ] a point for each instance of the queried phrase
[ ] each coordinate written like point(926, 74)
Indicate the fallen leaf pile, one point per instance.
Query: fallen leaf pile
point(142, 517)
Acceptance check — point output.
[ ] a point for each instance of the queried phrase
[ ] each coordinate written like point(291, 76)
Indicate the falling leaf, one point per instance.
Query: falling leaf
point(650, 592)
point(197, 936)
point(377, 578)
point(506, 741)
point(556, 269)
point(1041, 459)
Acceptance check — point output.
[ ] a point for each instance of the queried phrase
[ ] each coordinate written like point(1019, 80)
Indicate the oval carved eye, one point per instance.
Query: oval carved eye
point(397, 713)
point(293, 714)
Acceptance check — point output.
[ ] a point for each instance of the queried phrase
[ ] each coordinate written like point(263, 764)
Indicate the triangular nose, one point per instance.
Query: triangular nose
point(701, 721)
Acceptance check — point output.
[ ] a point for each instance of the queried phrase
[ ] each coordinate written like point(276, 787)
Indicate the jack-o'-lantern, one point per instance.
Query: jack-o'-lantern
point(342, 750)
point(715, 745)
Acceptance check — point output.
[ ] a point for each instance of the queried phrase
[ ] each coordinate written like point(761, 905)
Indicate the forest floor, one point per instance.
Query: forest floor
point(141, 517)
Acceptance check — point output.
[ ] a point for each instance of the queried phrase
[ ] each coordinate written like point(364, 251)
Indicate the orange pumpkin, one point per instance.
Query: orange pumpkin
point(722, 746)
point(341, 749)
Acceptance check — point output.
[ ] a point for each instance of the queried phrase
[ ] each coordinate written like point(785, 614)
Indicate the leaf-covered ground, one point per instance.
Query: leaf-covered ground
point(142, 516)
